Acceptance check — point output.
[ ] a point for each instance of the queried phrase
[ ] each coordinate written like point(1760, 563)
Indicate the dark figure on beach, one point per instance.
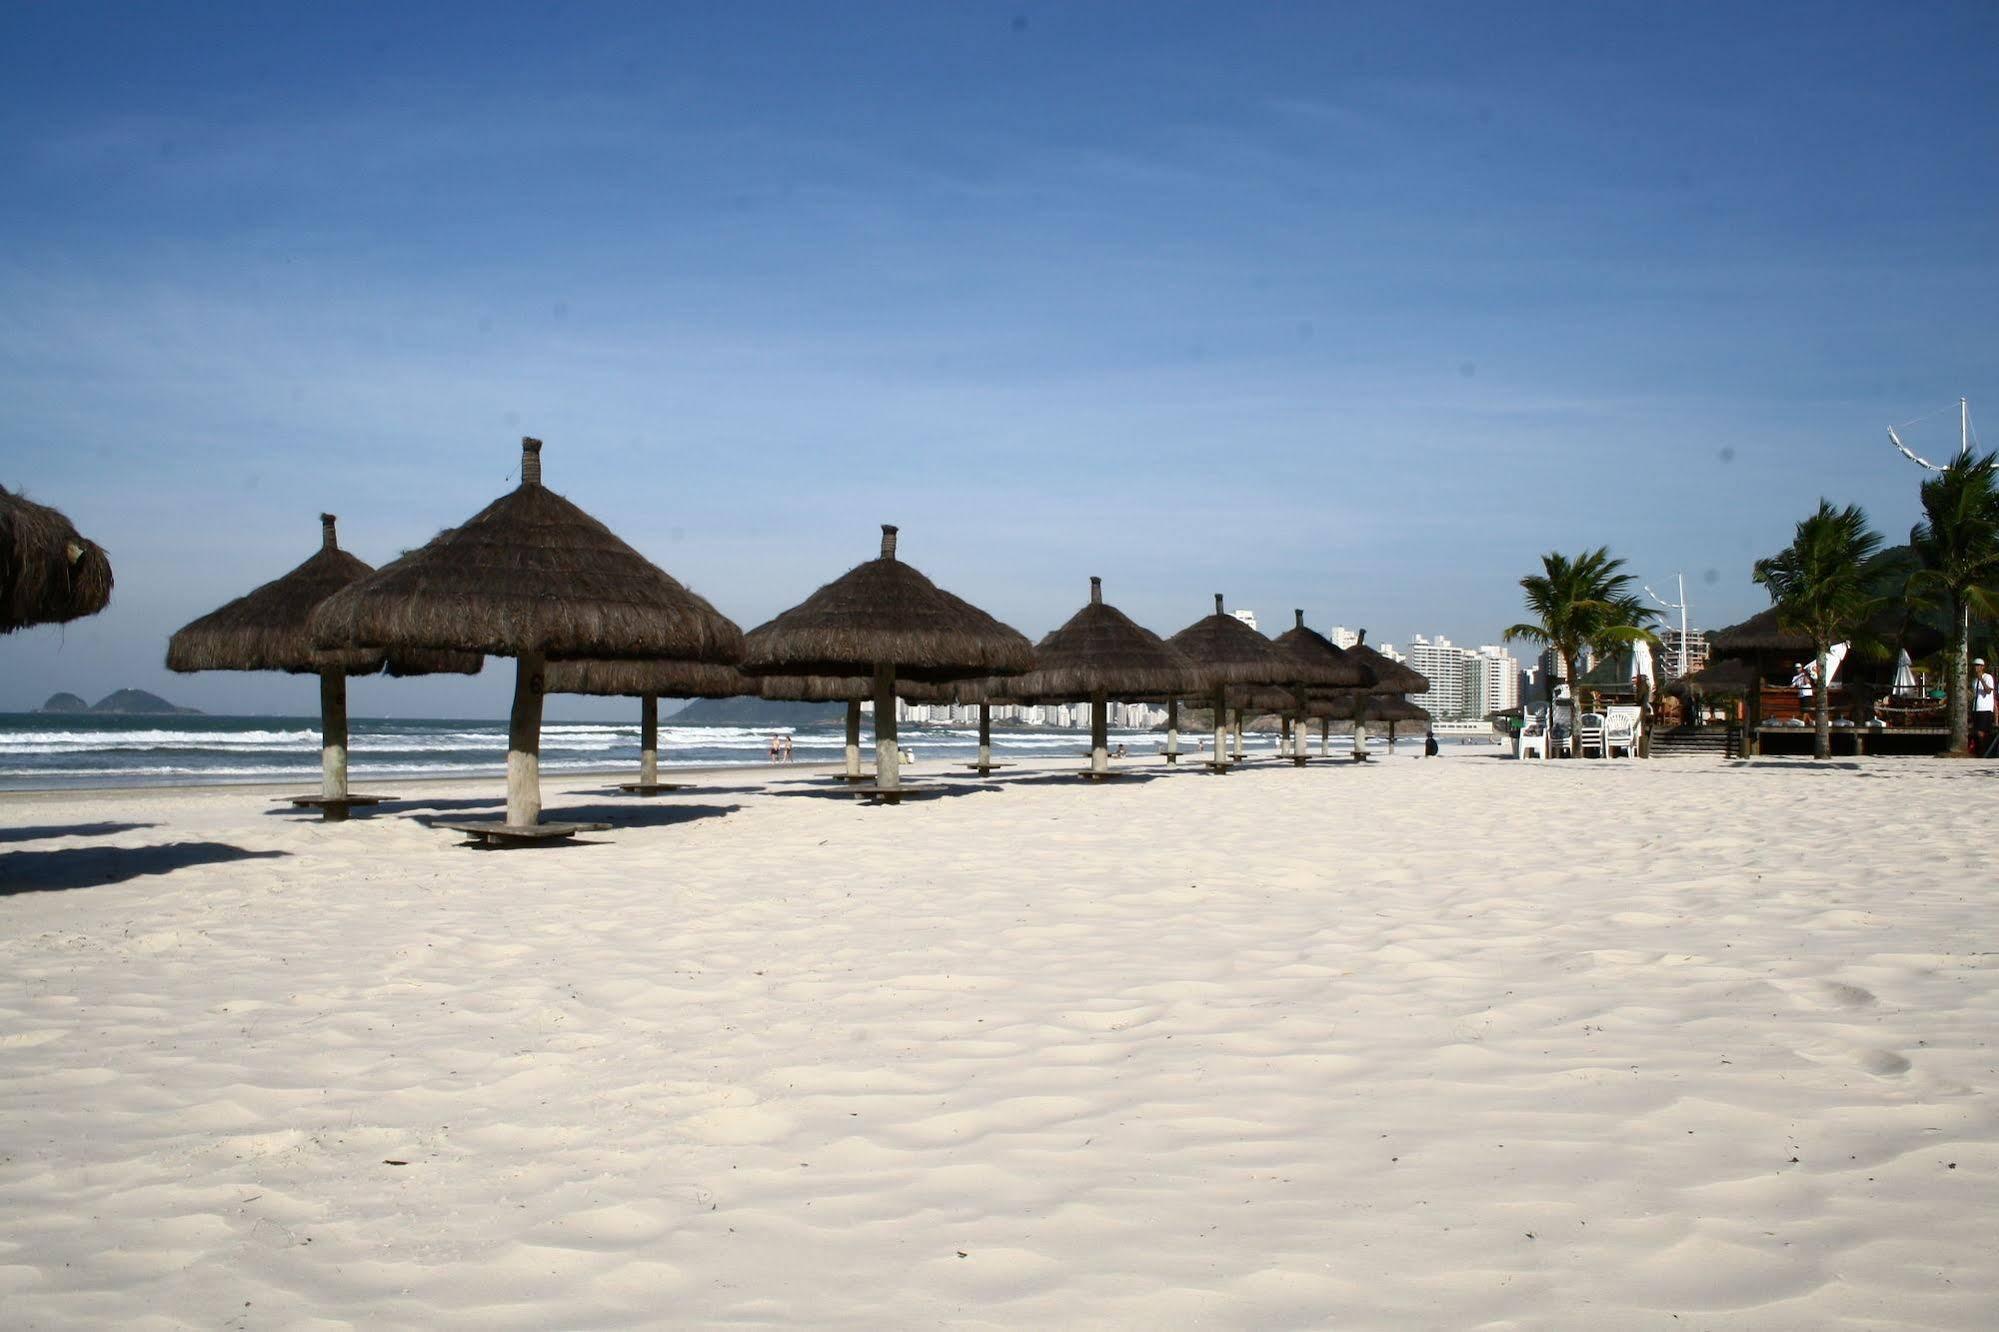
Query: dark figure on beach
point(1429, 744)
point(1981, 708)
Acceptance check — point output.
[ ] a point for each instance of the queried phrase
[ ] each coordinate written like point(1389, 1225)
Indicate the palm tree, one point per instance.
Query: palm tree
point(1822, 585)
point(1585, 602)
point(1957, 550)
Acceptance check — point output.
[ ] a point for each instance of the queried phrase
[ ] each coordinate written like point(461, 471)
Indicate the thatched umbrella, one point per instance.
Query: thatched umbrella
point(885, 620)
point(532, 577)
point(649, 682)
point(1320, 664)
point(1390, 677)
point(1097, 653)
point(1227, 653)
point(48, 573)
point(265, 630)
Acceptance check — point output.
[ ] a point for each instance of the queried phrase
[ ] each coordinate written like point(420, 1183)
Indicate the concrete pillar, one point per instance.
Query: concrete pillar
point(524, 743)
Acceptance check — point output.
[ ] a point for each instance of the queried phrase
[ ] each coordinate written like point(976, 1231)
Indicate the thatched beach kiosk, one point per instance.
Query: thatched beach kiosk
point(533, 577)
point(1098, 654)
point(266, 630)
point(852, 690)
point(1390, 678)
point(649, 682)
point(1227, 654)
point(884, 620)
point(1319, 664)
point(49, 574)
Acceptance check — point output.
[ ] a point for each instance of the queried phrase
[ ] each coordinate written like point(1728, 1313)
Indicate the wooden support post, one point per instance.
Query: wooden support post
point(854, 738)
point(888, 759)
point(985, 734)
point(524, 744)
point(1172, 730)
point(1221, 727)
point(649, 739)
point(1301, 743)
point(1325, 737)
point(333, 736)
point(1100, 750)
point(1236, 731)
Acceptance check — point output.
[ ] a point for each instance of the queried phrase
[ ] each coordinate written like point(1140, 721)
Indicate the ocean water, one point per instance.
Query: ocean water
point(39, 751)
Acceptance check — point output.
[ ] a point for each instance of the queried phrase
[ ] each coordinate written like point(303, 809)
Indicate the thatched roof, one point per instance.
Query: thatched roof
point(885, 611)
point(1733, 676)
point(1380, 708)
point(48, 573)
point(852, 689)
point(1320, 661)
point(1390, 677)
point(265, 630)
point(636, 678)
point(1098, 648)
point(1225, 651)
point(1762, 635)
point(530, 572)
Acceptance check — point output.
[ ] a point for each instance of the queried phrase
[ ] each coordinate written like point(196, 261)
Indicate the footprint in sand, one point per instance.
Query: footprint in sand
point(1882, 1063)
point(1846, 996)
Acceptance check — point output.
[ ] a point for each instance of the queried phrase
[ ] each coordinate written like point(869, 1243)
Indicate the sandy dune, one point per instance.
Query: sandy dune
point(1461, 1043)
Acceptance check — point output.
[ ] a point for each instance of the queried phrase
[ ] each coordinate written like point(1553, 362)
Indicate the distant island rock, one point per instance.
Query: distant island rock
point(122, 703)
point(754, 712)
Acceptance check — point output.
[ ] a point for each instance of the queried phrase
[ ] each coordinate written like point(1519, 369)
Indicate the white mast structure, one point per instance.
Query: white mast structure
point(1676, 661)
point(1963, 437)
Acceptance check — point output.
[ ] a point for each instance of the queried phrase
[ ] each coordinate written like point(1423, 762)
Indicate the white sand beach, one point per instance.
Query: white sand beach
point(1453, 1044)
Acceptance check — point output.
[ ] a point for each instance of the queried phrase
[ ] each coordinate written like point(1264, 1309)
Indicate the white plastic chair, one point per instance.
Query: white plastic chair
point(1620, 732)
point(1533, 739)
point(1592, 735)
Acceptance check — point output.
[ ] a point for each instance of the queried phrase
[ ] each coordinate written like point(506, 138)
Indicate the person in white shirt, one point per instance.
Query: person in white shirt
point(1982, 696)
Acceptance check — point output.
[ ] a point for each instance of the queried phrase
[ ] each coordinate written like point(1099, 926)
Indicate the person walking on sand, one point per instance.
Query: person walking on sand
point(771, 751)
point(787, 747)
point(1981, 708)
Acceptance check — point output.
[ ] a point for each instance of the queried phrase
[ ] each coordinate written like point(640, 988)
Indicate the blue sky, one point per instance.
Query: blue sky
point(1356, 308)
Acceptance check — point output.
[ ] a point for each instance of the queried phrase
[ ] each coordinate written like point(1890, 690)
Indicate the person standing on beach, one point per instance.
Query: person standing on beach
point(1429, 744)
point(1981, 708)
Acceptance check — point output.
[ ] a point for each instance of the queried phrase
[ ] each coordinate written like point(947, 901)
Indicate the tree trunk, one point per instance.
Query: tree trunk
point(1821, 710)
point(888, 758)
point(985, 735)
point(524, 744)
point(649, 739)
point(1221, 727)
point(1172, 730)
point(1100, 751)
point(1956, 676)
point(1575, 706)
point(853, 737)
point(333, 735)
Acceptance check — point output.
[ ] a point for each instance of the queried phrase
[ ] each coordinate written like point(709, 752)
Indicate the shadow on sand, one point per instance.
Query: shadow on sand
point(95, 866)
point(36, 834)
point(637, 814)
point(912, 791)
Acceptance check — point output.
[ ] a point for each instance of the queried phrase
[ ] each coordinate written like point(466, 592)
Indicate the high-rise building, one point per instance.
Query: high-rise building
point(1677, 658)
point(1443, 665)
point(1248, 617)
point(1499, 680)
point(1343, 637)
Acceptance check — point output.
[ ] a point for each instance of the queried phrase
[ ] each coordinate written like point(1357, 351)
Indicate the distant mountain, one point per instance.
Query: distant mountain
point(64, 703)
point(753, 712)
point(137, 702)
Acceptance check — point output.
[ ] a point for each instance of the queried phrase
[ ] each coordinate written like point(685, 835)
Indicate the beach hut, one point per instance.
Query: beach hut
point(533, 577)
point(266, 630)
point(1225, 654)
point(885, 621)
point(49, 574)
point(1319, 664)
point(1390, 678)
point(648, 681)
point(1098, 654)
